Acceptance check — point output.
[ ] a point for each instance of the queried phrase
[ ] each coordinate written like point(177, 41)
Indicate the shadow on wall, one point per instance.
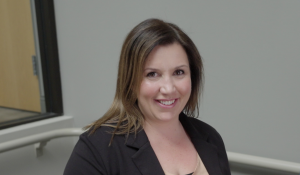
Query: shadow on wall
point(240, 169)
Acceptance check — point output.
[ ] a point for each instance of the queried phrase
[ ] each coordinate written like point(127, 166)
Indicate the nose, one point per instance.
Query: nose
point(167, 86)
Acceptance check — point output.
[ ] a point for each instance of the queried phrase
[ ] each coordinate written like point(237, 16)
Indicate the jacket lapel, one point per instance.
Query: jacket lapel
point(145, 158)
point(208, 155)
point(207, 152)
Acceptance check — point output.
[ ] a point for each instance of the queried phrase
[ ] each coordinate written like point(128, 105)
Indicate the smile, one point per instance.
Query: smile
point(166, 102)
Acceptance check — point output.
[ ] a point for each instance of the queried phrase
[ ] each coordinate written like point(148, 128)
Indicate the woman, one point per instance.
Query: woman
point(150, 128)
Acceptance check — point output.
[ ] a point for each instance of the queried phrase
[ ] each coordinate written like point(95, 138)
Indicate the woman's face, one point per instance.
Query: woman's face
point(166, 84)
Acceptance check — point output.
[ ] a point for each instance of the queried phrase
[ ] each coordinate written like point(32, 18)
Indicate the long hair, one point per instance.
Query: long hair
point(124, 114)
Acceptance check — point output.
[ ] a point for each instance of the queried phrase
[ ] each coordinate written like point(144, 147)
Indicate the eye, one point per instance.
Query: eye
point(179, 72)
point(152, 74)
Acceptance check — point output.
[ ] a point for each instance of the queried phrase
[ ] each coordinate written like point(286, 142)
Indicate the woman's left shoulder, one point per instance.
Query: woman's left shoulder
point(198, 124)
point(201, 124)
point(198, 128)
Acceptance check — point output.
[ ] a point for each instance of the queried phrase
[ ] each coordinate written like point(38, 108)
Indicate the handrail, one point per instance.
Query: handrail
point(263, 162)
point(42, 138)
point(39, 138)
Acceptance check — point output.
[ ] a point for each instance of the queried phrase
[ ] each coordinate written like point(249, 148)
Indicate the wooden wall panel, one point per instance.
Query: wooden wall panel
point(19, 88)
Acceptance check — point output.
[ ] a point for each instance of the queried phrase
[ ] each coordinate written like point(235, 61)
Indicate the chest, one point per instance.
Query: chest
point(176, 158)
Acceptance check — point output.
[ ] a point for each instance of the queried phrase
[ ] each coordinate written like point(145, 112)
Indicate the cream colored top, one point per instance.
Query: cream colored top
point(199, 170)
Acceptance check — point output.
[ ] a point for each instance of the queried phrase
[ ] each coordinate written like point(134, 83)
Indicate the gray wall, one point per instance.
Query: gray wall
point(251, 59)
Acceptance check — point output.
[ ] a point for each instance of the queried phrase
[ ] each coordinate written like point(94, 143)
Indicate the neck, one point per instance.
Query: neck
point(167, 131)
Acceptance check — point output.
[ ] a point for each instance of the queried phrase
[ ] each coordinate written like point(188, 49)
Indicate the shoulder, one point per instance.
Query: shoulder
point(92, 153)
point(98, 142)
point(194, 125)
point(198, 129)
point(102, 140)
point(203, 127)
point(201, 130)
point(202, 124)
point(102, 134)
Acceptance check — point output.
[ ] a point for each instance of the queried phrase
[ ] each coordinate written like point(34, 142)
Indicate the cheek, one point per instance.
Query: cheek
point(147, 90)
point(185, 87)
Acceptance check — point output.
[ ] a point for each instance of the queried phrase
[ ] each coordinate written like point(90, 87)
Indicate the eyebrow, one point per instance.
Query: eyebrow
point(184, 65)
point(181, 66)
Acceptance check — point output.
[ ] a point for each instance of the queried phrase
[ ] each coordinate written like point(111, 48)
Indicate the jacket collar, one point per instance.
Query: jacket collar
point(207, 151)
point(145, 158)
point(147, 162)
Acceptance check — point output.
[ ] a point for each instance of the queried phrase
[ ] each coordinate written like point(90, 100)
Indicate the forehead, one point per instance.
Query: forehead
point(167, 55)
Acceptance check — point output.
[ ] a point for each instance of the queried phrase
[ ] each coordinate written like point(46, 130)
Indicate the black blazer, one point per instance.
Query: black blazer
point(92, 155)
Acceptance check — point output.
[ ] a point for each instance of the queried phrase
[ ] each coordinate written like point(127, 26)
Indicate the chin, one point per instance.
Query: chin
point(167, 116)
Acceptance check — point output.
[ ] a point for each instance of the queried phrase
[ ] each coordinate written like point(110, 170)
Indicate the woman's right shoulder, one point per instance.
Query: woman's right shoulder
point(101, 135)
point(91, 152)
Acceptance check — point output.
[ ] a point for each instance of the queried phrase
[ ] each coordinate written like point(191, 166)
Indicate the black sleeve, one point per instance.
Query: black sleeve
point(85, 159)
point(224, 164)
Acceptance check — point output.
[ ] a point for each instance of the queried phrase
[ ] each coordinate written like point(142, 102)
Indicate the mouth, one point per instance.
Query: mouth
point(170, 102)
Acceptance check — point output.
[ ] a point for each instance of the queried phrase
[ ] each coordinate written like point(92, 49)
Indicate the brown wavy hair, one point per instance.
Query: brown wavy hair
point(124, 114)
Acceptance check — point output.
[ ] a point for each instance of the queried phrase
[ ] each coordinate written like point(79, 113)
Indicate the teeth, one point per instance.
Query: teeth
point(167, 102)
